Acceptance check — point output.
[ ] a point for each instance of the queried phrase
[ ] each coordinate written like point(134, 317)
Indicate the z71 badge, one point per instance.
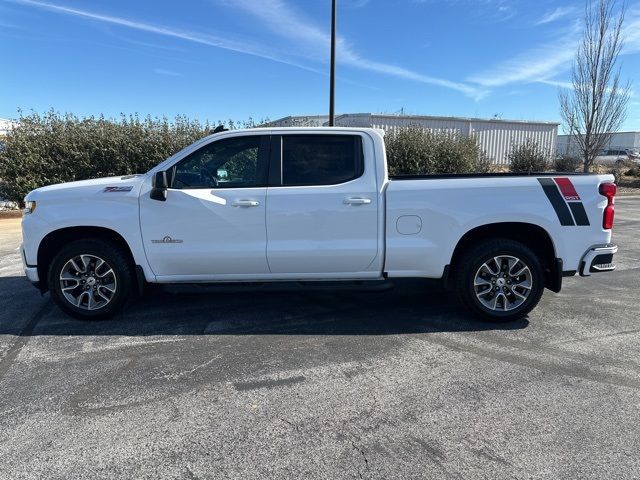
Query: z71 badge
point(126, 188)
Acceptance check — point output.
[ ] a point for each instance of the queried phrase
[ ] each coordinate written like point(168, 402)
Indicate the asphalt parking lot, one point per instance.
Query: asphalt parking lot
point(299, 383)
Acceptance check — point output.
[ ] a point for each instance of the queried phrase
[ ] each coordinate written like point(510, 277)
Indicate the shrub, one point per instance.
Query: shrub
point(528, 157)
point(417, 151)
point(53, 148)
point(634, 171)
point(618, 170)
point(567, 163)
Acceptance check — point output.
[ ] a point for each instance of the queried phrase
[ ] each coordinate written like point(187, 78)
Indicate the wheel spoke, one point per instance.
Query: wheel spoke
point(483, 293)
point(495, 301)
point(102, 275)
point(86, 261)
point(519, 295)
point(479, 281)
point(98, 292)
point(71, 287)
point(92, 301)
point(76, 266)
point(110, 287)
point(80, 297)
point(520, 272)
point(490, 270)
point(99, 263)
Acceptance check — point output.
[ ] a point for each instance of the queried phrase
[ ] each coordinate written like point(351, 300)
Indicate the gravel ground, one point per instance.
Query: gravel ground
point(275, 383)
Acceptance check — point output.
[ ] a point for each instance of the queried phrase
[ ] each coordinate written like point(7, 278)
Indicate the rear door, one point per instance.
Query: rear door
point(322, 206)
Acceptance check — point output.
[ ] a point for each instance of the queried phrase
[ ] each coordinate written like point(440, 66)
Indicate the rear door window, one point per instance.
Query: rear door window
point(321, 159)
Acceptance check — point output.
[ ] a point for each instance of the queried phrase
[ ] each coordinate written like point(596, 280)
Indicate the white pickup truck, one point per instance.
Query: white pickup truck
point(314, 204)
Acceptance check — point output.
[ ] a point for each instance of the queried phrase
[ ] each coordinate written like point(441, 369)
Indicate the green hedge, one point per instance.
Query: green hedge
point(53, 148)
point(528, 157)
point(416, 151)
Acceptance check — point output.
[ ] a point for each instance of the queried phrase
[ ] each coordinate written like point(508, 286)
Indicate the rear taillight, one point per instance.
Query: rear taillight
point(608, 190)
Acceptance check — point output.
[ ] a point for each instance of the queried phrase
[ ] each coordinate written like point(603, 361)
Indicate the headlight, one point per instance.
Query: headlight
point(29, 207)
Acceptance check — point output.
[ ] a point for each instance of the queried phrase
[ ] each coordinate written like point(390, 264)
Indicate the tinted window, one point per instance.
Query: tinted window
point(230, 163)
point(321, 159)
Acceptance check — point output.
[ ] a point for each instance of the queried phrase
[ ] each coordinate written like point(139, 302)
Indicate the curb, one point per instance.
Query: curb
point(11, 214)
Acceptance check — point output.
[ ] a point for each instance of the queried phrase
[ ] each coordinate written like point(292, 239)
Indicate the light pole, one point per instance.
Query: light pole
point(332, 74)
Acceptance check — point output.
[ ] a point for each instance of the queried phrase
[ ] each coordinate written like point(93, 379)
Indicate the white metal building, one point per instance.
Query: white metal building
point(495, 137)
point(618, 141)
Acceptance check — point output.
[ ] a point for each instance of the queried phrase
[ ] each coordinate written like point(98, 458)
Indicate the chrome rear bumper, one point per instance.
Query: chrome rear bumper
point(598, 259)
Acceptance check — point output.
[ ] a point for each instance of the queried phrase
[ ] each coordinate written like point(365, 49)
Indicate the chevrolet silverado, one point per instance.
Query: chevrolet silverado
point(314, 204)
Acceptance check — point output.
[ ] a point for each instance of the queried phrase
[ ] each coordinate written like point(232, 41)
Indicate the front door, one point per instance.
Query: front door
point(212, 224)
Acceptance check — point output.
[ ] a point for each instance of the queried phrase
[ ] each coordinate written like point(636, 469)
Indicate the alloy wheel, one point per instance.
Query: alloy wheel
point(88, 282)
point(503, 283)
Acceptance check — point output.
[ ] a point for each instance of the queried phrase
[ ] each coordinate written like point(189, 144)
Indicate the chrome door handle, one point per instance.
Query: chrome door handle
point(245, 203)
point(357, 201)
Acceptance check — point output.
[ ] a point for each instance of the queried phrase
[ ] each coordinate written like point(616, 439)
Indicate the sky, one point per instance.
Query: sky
point(235, 59)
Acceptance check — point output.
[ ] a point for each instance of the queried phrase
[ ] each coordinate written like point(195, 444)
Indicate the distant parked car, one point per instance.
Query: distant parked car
point(615, 156)
point(634, 155)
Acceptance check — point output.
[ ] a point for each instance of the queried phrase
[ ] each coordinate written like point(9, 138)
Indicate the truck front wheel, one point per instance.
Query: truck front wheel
point(500, 280)
point(90, 279)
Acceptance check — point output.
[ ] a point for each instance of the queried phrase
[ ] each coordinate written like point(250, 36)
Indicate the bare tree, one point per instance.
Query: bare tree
point(596, 106)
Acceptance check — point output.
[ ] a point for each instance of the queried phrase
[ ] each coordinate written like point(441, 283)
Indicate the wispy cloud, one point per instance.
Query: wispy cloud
point(569, 85)
point(632, 31)
point(557, 83)
point(545, 63)
point(553, 15)
point(283, 20)
point(534, 65)
point(492, 10)
point(169, 73)
point(244, 47)
point(357, 3)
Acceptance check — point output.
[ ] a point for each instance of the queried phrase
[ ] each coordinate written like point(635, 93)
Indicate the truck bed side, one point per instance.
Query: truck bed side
point(427, 217)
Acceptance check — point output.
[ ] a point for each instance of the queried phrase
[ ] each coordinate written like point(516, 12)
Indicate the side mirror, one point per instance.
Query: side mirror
point(160, 186)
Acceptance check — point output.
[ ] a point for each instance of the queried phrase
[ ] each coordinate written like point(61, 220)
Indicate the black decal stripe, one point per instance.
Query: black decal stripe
point(579, 213)
point(557, 202)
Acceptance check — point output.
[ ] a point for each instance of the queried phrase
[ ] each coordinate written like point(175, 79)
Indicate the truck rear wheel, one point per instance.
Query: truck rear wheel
point(90, 279)
point(500, 280)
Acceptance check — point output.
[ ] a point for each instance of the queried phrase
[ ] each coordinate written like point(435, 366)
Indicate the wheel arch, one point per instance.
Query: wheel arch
point(533, 236)
point(54, 240)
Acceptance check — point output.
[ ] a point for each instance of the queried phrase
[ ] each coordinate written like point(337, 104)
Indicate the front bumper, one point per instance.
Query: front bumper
point(598, 259)
point(32, 274)
point(31, 271)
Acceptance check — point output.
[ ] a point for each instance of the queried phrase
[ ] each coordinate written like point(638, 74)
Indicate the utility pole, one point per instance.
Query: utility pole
point(332, 74)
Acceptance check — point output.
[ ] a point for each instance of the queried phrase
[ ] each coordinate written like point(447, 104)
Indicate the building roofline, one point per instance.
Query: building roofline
point(289, 117)
point(471, 119)
point(419, 117)
point(636, 132)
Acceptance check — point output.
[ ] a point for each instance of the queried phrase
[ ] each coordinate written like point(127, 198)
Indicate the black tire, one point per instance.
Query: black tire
point(114, 257)
point(470, 264)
